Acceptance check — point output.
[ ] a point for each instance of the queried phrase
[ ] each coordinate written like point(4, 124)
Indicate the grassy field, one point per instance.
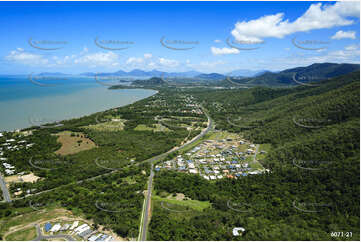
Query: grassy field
point(265, 147)
point(32, 217)
point(193, 204)
point(22, 235)
point(73, 142)
point(157, 128)
point(113, 125)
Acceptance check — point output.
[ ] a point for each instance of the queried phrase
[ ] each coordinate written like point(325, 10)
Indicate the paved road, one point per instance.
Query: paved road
point(5, 190)
point(255, 153)
point(41, 237)
point(147, 205)
point(155, 158)
point(149, 195)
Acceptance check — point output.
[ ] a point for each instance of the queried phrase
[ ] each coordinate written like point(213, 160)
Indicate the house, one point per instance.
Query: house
point(191, 165)
point(74, 225)
point(206, 177)
point(110, 238)
point(65, 227)
point(81, 228)
point(212, 177)
point(1, 135)
point(93, 238)
point(47, 227)
point(238, 231)
point(9, 172)
point(249, 151)
point(219, 176)
point(182, 168)
point(85, 233)
point(254, 172)
point(193, 171)
point(100, 238)
point(55, 228)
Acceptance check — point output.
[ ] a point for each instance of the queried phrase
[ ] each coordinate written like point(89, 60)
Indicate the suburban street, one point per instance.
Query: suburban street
point(5, 190)
point(41, 237)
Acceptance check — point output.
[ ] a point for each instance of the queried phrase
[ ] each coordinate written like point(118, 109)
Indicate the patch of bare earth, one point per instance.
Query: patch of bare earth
point(73, 142)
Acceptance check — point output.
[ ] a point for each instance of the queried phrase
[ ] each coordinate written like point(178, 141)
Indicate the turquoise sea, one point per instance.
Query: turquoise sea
point(23, 101)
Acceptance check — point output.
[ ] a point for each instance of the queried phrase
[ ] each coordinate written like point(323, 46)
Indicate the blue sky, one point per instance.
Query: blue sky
point(261, 35)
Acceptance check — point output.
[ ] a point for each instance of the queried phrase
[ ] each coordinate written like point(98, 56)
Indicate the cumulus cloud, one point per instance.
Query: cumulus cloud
point(134, 60)
point(23, 57)
point(224, 51)
point(98, 59)
point(318, 16)
point(344, 35)
point(148, 55)
point(168, 62)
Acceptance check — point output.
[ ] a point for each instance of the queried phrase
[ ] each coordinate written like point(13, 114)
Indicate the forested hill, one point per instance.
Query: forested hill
point(313, 73)
point(154, 81)
point(312, 189)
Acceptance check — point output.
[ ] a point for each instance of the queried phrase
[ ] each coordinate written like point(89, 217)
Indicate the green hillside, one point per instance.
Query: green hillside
point(312, 188)
point(310, 74)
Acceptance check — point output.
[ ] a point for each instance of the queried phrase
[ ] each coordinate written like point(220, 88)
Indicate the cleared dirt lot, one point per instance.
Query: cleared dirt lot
point(73, 142)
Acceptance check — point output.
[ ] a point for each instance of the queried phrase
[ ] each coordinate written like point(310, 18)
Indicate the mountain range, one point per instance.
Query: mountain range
point(299, 75)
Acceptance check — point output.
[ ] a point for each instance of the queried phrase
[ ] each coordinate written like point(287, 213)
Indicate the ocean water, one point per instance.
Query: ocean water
point(24, 103)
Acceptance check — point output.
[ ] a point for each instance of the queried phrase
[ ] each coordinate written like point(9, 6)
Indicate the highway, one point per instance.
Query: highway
point(147, 207)
point(5, 190)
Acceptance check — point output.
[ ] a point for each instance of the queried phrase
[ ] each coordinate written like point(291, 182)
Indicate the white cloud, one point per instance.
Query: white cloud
point(134, 60)
point(352, 48)
point(23, 57)
point(148, 55)
point(98, 59)
point(224, 51)
point(217, 41)
point(168, 62)
point(318, 16)
point(344, 35)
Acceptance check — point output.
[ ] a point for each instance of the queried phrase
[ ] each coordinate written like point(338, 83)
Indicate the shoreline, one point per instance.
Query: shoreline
point(34, 126)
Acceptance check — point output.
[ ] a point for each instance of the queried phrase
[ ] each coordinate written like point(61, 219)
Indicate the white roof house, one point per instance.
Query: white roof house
point(238, 231)
point(193, 171)
point(85, 228)
point(81, 227)
point(74, 225)
point(1, 135)
point(9, 172)
point(55, 228)
point(110, 238)
point(212, 177)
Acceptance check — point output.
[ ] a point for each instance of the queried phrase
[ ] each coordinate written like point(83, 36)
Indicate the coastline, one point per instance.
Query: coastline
point(49, 110)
